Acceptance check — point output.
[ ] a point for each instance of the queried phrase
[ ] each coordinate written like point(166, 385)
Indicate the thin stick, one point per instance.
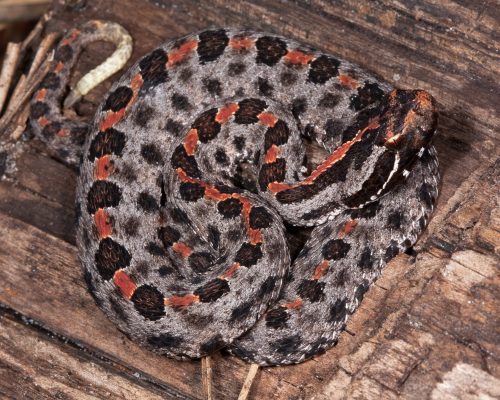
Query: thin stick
point(24, 82)
point(8, 70)
point(36, 30)
point(206, 376)
point(45, 45)
point(245, 390)
point(20, 125)
point(27, 84)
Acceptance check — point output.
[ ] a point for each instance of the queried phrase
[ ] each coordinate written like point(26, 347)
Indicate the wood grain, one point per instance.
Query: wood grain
point(427, 328)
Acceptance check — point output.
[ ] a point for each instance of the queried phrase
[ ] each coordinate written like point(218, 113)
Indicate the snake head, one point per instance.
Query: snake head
point(410, 122)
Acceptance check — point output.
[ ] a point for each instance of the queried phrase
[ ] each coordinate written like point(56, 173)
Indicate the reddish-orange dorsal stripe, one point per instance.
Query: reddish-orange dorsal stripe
point(111, 119)
point(298, 57)
point(335, 156)
point(348, 81)
point(181, 301)
point(59, 66)
point(43, 121)
point(230, 271)
point(183, 249)
point(103, 167)
point(177, 55)
point(255, 235)
point(276, 187)
point(347, 228)
point(135, 85)
point(320, 269)
point(40, 96)
point(126, 285)
point(226, 112)
point(212, 193)
point(63, 132)
point(293, 304)
point(103, 223)
point(272, 154)
point(191, 142)
point(241, 43)
point(339, 152)
point(267, 119)
point(71, 38)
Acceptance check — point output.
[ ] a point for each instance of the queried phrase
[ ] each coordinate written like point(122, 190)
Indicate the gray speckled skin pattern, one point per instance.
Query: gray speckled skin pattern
point(195, 159)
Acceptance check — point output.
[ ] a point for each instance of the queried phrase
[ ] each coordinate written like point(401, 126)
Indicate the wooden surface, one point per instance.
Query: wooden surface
point(429, 327)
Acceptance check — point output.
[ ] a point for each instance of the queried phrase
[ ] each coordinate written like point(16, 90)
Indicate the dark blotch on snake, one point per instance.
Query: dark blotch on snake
point(338, 311)
point(151, 154)
point(248, 111)
point(213, 344)
point(148, 301)
point(270, 50)
point(200, 262)
point(272, 172)
point(323, 68)
point(191, 191)
point(259, 218)
point(153, 69)
point(277, 134)
point(39, 109)
point(180, 159)
point(51, 81)
point(211, 45)
point(147, 202)
point(206, 125)
point(111, 141)
point(287, 345)
point(212, 290)
point(367, 94)
point(118, 99)
point(248, 254)
point(276, 318)
point(230, 208)
point(165, 340)
point(311, 290)
point(63, 53)
point(335, 249)
point(103, 194)
point(366, 260)
point(168, 235)
point(110, 257)
point(241, 312)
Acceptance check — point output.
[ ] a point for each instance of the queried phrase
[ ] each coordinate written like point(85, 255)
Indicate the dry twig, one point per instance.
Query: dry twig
point(245, 390)
point(206, 376)
point(17, 107)
point(8, 70)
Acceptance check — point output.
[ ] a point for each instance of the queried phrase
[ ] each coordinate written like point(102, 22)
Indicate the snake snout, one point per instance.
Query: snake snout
point(411, 121)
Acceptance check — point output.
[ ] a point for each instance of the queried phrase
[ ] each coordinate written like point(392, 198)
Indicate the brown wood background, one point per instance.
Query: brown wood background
point(428, 328)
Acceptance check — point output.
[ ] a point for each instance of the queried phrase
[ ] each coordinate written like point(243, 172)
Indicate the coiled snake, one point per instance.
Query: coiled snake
point(195, 164)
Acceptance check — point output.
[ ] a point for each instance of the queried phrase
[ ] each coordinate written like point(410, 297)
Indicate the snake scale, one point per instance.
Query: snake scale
point(195, 167)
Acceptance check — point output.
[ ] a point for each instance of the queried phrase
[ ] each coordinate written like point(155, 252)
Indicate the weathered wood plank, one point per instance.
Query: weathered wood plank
point(425, 327)
point(18, 202)
point(41, 279)
point(47, 178)
point(35, 366)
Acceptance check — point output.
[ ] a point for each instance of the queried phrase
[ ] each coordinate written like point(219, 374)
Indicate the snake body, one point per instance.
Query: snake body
point(194, 168)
